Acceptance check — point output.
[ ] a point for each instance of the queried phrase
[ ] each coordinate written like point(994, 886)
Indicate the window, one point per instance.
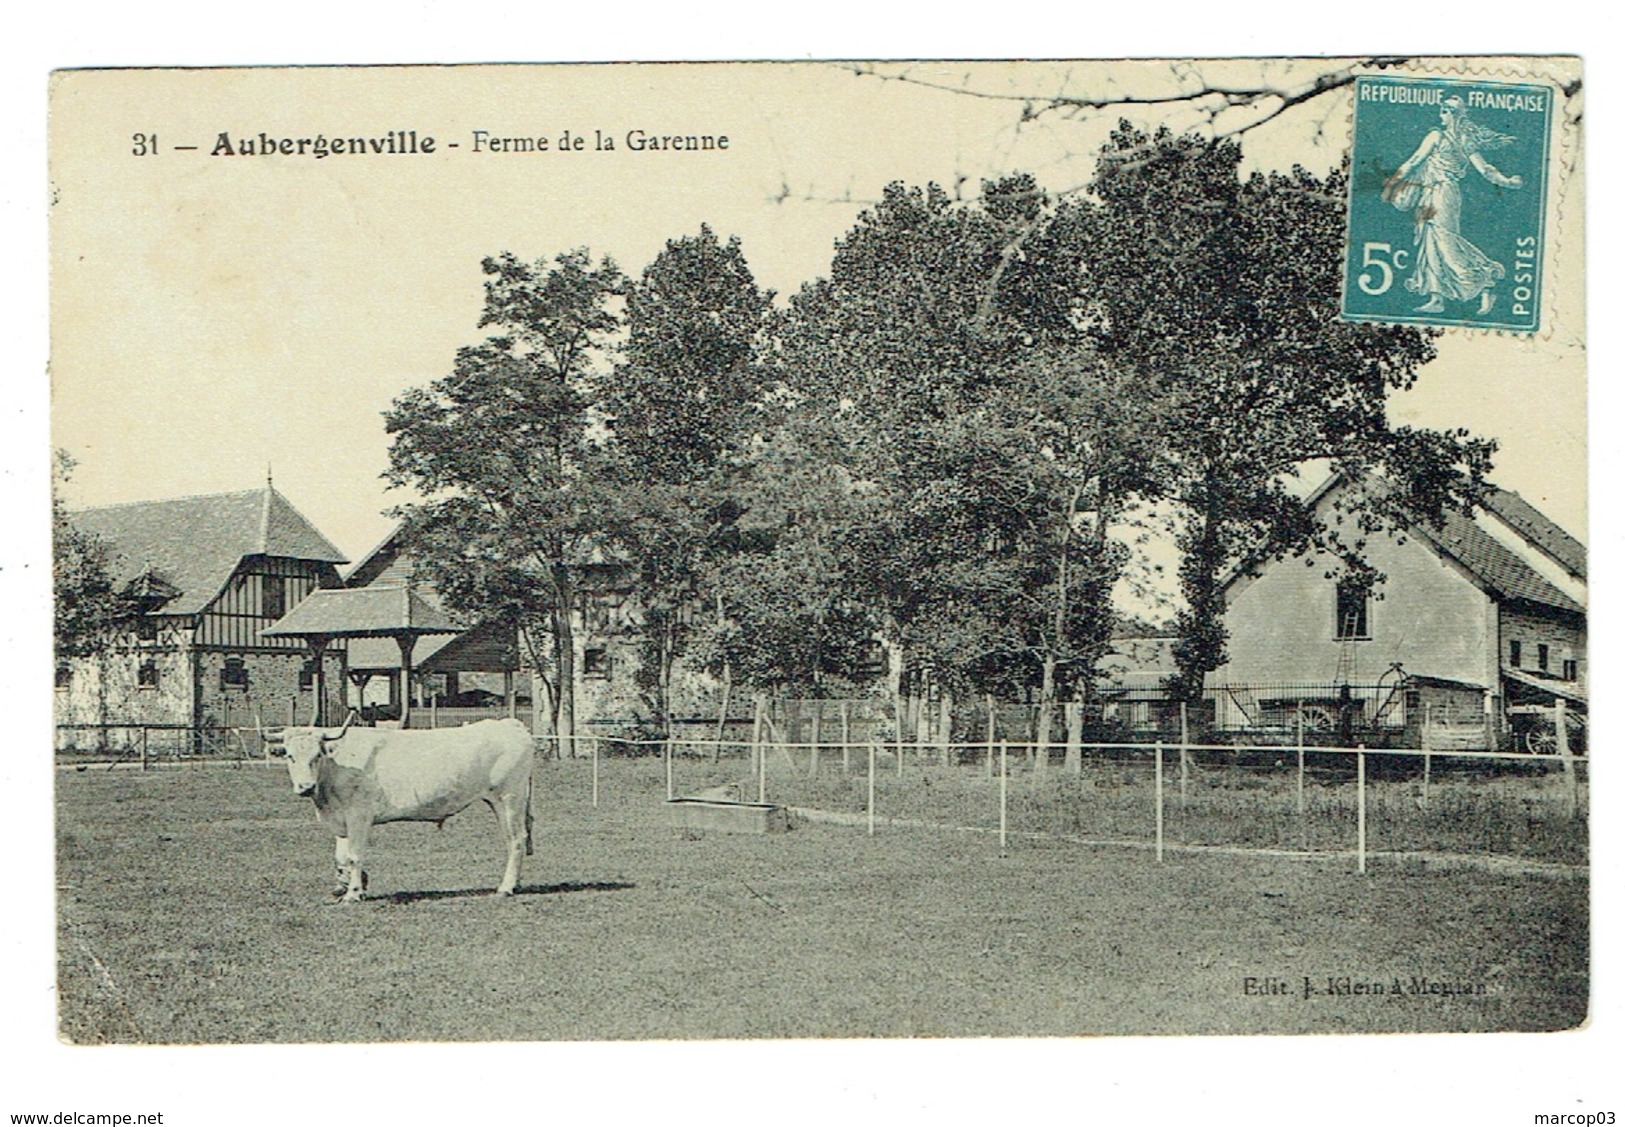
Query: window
point(595, 662)
point(1571, 669)
point(146, 629)
point(1515, 654)
point(273, 596)
point(147, 675)
point(64, 675)
point(307, 675)
point(1352, 600)
point(234, 674)
point(1543, 657)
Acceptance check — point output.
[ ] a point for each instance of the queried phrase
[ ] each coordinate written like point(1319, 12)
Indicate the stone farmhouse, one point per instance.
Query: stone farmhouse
point(209, 573)
point(1476, 623)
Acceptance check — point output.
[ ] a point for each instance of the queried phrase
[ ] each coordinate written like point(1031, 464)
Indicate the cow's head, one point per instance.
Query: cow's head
point(304, 749)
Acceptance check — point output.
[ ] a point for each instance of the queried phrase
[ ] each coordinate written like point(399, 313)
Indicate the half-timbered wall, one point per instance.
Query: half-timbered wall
point(262, 591)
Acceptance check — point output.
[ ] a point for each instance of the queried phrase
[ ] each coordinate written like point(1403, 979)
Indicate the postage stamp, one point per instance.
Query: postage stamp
point(1447, 203)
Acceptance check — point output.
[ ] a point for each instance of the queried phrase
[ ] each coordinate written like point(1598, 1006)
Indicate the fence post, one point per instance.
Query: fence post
point(1427, 755)
point(671, 791)
point(991, 733)
point(817, 735)
point(434, 710)
point(1360, 768)
point(871, 788)
point(143, 748)
point(1159, 802)
point(1004, 793)
point(1300, 762)
point(761, 774)
point(1572, 791)
point(756, 753)
point(1184, 754)
point(846, 738)
point(597, 742)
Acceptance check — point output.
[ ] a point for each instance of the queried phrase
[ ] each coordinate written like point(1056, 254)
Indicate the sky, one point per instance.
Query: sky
point(216, 318)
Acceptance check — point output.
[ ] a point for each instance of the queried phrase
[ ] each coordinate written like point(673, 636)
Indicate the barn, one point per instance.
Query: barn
point(209, 572)
point(1475, 619)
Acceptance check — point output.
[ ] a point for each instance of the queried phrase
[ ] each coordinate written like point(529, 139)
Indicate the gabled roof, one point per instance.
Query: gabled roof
point(1498, 569)
point(1534, 526)
point(1494, 566)
point(383, 611)
point(194, 544)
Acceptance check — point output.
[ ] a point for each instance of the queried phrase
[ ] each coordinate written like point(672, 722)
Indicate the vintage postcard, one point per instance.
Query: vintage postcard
point(820, 550)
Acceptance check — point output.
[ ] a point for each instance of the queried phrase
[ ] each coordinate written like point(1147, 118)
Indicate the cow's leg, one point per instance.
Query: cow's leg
point(341, 861)
point(355, 879)
point(510, 812)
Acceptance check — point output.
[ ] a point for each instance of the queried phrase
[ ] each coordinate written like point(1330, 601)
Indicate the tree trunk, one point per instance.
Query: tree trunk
point(564, 659)
point(817, 724)
point(722, 711)
point(1074, 738)
point(1046, 710)
point(894, 676)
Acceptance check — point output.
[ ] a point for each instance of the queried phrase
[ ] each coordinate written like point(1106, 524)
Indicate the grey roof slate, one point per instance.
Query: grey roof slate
point(1539, 529)
point(364, 612)
point(1495, 566)
point(195, 543)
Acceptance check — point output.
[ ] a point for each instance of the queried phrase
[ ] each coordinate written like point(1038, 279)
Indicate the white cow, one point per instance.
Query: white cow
point(363, 777)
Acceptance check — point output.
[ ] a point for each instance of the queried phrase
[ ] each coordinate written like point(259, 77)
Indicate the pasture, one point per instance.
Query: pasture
point(193, 908)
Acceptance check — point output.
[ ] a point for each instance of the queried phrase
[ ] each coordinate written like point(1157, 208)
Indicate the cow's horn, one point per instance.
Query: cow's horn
point(348, 720)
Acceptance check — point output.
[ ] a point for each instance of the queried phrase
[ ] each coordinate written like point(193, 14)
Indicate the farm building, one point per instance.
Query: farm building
point(1476, 622)
point(209, 572)
point(480, 665)
point(485, 667)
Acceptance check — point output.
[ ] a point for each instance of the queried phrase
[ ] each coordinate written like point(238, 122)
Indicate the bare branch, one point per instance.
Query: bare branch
point(1210, 99)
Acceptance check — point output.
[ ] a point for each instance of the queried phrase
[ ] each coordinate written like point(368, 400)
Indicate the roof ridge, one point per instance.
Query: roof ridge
point(264, 542)
point(164, 500)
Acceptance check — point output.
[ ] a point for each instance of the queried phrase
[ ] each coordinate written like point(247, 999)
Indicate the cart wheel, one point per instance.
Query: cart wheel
point(1541, 740)
point(1318, 719)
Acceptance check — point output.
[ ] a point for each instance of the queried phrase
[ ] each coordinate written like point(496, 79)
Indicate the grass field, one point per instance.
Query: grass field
point(193, 907)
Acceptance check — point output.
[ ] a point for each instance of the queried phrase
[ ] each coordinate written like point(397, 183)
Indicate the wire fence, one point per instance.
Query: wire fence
point(1160, 795)
point(145, 746)
point(1360, 802)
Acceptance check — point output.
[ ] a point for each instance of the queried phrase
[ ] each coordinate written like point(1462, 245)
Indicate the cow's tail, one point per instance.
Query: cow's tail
point(530, 788)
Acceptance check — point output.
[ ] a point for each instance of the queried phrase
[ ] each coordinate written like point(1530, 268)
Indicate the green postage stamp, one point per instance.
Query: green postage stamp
point(1447, 202)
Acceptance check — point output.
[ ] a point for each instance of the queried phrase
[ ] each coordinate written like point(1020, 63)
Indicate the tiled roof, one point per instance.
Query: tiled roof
point(362, 612)
point(1538, 529)
point(1496, 567)
point(195, 543)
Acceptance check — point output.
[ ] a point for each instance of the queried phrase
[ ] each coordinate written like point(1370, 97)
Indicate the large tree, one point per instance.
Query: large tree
point(1223, 289)
point(497, 449)
point(90, 606)
point(683, 408)
point(947, 350)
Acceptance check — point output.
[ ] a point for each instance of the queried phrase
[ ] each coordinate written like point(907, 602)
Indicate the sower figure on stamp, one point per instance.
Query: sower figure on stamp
point(1447, 265)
